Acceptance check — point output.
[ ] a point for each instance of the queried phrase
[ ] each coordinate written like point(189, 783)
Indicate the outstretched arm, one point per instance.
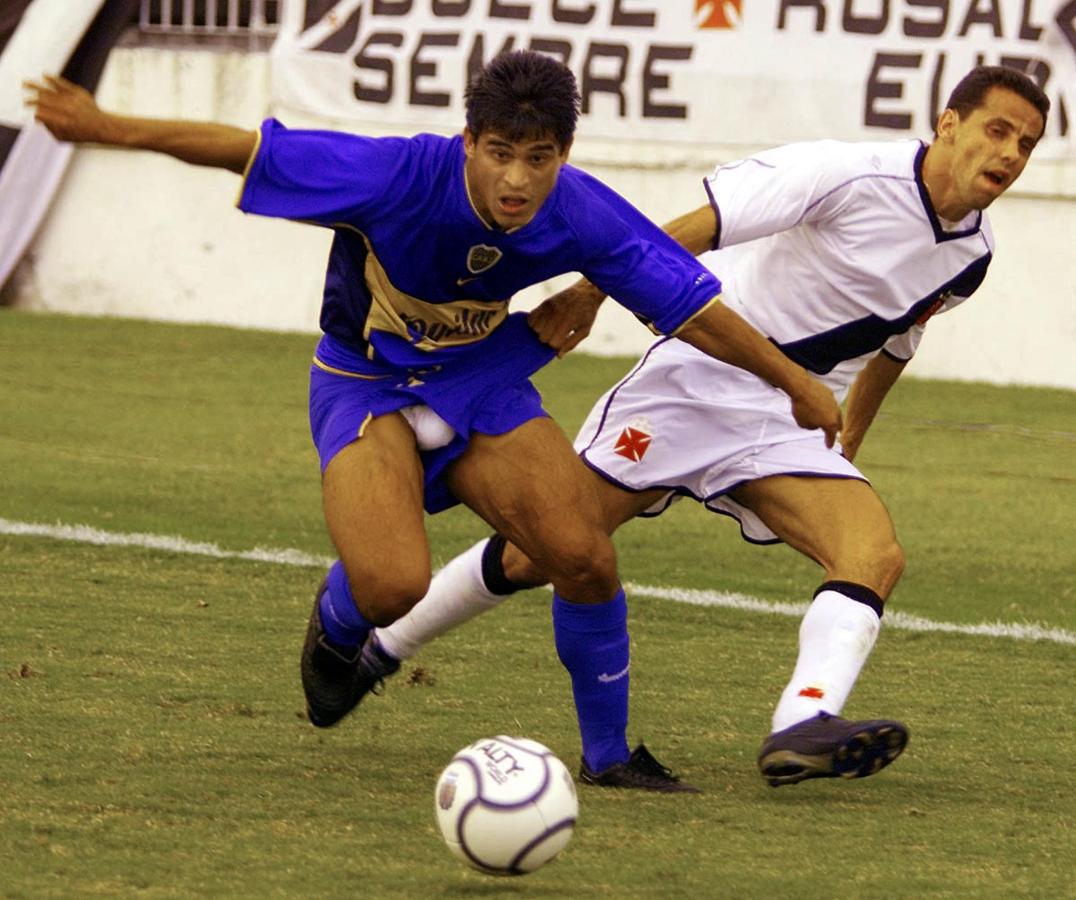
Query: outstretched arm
point(865, 398)
point(566, 318)
point(71, 114)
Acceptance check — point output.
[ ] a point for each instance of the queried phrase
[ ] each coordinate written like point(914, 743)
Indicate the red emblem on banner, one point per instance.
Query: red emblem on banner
point(718, 13)
point(632, 444)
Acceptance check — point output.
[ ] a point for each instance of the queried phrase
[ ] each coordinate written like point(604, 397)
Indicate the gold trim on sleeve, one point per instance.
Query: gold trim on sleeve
point(691, 318)
point(250, 164)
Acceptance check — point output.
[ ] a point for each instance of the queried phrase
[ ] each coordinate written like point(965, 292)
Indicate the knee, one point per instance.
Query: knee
point(585, 564)
point(889, 562)
point(893, 560)
point(875, 561)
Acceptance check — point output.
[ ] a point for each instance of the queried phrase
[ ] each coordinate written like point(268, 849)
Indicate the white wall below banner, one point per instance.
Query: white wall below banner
point(133, 234)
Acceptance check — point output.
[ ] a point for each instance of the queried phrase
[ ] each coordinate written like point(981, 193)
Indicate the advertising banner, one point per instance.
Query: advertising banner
point(753, 72)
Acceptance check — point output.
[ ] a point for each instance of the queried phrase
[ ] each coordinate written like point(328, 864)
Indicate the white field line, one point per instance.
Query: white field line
point(84, 534)
point(1019, 631)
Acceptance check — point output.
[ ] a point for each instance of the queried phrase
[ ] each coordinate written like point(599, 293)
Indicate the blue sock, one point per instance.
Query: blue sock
point(344, 625)
point(592, 643)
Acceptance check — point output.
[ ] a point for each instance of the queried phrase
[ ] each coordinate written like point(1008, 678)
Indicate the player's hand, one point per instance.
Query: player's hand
point(68, 111)
point(850, 445)
point(566, 318)
point(814, 406)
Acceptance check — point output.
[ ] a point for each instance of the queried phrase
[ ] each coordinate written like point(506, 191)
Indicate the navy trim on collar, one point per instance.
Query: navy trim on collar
point(940, 234)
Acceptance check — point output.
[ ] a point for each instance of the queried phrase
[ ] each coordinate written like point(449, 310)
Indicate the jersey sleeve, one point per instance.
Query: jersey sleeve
point(324, 177)
point(778, 189)
point(637, 264)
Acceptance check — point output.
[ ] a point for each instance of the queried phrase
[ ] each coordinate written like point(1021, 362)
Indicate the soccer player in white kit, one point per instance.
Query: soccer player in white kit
point(839, 253)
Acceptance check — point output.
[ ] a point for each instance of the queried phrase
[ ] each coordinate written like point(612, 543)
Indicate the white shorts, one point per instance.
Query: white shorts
point(684, 422)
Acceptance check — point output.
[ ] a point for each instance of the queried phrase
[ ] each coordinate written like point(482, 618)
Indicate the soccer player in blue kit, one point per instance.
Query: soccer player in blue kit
point(420, 394)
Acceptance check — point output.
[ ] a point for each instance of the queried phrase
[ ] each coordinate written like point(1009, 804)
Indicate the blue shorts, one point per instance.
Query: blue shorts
point(485, 390)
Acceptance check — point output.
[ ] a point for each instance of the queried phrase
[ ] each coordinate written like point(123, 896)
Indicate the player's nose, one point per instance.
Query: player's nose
point(515, 174)
point(1010, 149)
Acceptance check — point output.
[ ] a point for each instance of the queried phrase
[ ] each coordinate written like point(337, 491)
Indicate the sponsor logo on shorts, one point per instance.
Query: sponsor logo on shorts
point(633, 443)
point(812, 693)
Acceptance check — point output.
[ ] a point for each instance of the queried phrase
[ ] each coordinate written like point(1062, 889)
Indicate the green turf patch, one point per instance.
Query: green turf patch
point(153, 738)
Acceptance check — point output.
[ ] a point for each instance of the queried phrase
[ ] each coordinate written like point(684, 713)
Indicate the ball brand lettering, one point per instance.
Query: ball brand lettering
point(501, 764)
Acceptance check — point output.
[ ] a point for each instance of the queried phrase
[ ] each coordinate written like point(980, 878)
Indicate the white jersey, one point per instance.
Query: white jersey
point(833, 251)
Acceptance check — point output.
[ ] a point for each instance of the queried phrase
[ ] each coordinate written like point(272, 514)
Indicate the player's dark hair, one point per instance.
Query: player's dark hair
point(524, 95)
point(970, 93)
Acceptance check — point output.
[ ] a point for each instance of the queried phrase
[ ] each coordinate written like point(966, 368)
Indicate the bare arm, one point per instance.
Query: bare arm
point(722, 334)
point(695, 231)
point(865, 398)
point(70, 113)
point(566, 318)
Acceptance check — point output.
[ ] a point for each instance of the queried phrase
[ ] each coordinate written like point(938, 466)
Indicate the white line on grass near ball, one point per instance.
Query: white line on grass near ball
point(85, 534)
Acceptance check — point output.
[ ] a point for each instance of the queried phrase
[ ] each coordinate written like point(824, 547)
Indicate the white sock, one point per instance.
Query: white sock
point(836, 637)
point(457, 594)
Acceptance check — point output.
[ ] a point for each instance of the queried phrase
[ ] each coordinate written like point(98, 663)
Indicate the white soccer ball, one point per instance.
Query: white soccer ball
point(506, 805)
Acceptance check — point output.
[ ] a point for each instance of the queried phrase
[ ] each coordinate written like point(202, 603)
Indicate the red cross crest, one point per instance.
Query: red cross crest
point(632, 444)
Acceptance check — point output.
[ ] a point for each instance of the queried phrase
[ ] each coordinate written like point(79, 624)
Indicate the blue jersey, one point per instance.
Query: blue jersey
point(415, 276)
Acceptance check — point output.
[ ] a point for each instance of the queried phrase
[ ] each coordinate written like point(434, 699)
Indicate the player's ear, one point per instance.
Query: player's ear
point(947, 123)
point(469, 142)
point(565, 150)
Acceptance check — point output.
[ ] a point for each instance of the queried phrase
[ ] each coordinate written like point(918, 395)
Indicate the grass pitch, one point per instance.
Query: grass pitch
point(153, 737)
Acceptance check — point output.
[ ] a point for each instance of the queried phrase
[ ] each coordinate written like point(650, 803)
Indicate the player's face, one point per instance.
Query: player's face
point(988, 149)
point(508, 181)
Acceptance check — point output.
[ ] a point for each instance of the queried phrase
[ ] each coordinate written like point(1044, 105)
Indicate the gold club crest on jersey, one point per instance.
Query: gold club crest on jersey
point(481, 258)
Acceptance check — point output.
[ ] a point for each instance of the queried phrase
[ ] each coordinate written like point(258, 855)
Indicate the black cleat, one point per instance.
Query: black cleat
point(336, 679)
point(641, 771)
point(830, 747)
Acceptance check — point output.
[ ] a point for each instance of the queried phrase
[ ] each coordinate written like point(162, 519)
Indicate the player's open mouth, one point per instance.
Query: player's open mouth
point(998, 178)
point(512, 205)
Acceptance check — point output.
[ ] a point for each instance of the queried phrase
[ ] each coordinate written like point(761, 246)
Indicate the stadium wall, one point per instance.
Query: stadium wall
point(133, 234)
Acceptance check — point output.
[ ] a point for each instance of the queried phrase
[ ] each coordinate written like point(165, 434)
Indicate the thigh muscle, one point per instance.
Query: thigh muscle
point(372, 496)
point(841, 523)
point(530, 485)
